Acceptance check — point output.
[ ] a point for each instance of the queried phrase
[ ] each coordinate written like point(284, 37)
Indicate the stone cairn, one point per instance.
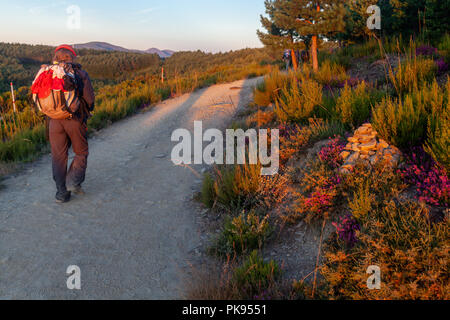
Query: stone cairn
point(364, 146)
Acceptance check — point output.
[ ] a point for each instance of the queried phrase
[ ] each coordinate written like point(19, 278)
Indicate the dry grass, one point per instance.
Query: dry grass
point(212, 282)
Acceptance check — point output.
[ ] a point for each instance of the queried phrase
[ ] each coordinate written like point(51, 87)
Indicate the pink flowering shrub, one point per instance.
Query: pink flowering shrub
point(346, 228)
point(330, 154)
point(318, 202)
point(333, 182)
point(429, 179)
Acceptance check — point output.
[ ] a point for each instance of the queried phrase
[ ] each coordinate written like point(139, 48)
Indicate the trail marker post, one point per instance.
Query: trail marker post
point(162, 74)
point(13, 98)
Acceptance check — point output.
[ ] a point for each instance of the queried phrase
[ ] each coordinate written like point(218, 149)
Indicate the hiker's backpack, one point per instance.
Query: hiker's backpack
point(55, 91)
point(305, 56)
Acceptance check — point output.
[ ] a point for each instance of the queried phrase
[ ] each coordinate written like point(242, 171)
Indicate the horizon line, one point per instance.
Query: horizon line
point(139, 50)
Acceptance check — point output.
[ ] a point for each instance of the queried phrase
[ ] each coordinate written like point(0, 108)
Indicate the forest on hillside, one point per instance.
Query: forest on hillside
point(190, 61)
point(19, 63)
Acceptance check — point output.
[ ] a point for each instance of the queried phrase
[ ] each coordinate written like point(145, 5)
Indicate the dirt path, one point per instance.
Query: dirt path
point(134, 232)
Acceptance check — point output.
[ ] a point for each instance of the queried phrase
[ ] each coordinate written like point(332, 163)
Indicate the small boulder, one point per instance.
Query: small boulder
point(364, 156)
point(364, 146)
point(355, 147)
point(369, 145)
point(352, 159)
point(345, 155)
point(383, 144)
point(362, 130)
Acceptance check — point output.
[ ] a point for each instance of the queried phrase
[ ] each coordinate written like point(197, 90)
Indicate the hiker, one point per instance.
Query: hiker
point(305, 56)
point(287, 58)
point(297, 57)
point(64, 93)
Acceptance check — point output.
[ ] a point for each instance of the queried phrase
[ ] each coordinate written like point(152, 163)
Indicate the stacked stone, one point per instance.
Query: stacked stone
point(364, 146)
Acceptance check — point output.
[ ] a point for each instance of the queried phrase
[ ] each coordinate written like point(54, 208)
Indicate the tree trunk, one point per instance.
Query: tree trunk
point(315, 60)
point(294, 59)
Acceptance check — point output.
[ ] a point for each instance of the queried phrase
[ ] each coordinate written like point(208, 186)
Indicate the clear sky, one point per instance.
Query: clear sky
point(209, 25)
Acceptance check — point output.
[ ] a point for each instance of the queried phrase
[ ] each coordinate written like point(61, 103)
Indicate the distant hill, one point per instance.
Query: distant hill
point(102, 46)
point(161, 53)
point(110, 47)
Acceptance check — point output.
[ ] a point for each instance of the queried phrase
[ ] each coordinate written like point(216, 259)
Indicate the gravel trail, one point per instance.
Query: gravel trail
point(134, 232)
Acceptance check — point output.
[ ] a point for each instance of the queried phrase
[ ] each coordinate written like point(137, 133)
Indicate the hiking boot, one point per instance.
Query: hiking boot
point(76, 190)
point(63, 197)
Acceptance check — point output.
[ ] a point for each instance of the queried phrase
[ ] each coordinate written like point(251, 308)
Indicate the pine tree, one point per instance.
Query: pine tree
point(359, 16)
point(437, 15)
point(280, 35)
point(298, 20)
point(408, 16)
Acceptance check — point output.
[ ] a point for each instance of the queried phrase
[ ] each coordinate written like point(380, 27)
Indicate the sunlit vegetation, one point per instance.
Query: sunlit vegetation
point(395, 217)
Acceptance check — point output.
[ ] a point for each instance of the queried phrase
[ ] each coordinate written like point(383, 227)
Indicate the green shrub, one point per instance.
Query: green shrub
point(361, 50)
point(412, 74)
point(354, 105)
point(298, 100)
point(406, 122)
point(338, 58)
point(323, 129)
point(331, 74)
point(255, 275)
point(402, 123)
point(362, 203)
point(266, 91)
point(24, 146)
point(444, 46)
point(207, 193)
point(242, 234)
point(232, 188)
point(438, 143)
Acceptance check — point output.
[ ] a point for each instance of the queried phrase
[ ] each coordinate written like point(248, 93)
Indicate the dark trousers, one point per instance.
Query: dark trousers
point(63, 134)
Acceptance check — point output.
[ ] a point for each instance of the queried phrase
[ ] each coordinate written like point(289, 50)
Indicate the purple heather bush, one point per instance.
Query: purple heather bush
point(426, 51)
point(330, 154)
point(429, 179)
point(442, 66)
point(346, 229)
